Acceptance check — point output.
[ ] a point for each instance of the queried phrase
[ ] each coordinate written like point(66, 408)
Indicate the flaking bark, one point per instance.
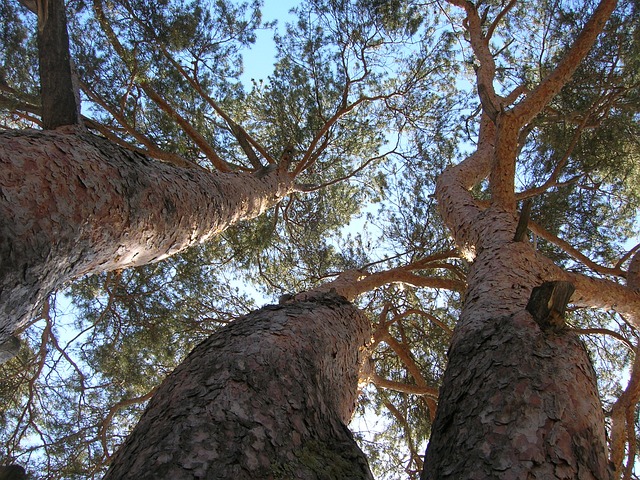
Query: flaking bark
point(518, 401)
point(501, 417)
point(72, 204)
point(519, 397)
point(267, 397)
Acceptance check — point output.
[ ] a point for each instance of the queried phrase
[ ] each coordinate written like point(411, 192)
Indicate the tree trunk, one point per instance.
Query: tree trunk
point(519, 398)
point(72, 204)
point(267, 397)
point(60, 104)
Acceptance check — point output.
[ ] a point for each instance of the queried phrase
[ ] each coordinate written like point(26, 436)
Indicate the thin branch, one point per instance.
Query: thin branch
point(426, 262)
point(552, 181)
point(499, 17)
point(186, 126)
point(199, 140)
point(312, 152)
point(627, 255)
point(430, 317)
point(605, 331)
point(245, 140)
point(574, 252)
point(404, 354)
point(402, 387)
point(619, 414)
point(106, 422)
point(402, 420)
point(152, 149)
point(13, 104)
point(351, 174)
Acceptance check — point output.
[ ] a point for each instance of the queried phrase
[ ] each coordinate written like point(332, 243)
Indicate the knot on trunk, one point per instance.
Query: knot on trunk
point(548, 303)
point(633, 273)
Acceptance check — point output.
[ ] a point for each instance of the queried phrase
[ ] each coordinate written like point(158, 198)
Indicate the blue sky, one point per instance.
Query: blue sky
point(258, 62)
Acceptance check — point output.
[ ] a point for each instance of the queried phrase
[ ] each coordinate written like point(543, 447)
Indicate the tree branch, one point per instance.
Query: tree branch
point(402, 387)
point(196, 136)
point(458, 207)
point(106, 421)
point(550, 86)
point(354, 172)
point(573, 252)
point(402, 420)
point(151, 148)
point(199, 140)
point(604, 331)
point(485, 72)
point(604, 294)
point(406, 358)
point(499, 17)
point(245, 140)
point(619, 413)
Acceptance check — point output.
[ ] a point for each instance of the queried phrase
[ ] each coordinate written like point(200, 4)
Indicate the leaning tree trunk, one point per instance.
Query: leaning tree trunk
point(72, 203)
point(267, 397)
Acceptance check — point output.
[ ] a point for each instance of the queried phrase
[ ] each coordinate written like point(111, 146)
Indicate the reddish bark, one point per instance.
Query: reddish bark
point(502, 417)
point(72, 203)
point(519, 397)
point(518, 401)
point(267, 397)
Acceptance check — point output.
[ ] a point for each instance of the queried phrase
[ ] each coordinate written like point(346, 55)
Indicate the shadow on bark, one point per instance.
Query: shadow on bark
point(518, 402)
point(267, 397)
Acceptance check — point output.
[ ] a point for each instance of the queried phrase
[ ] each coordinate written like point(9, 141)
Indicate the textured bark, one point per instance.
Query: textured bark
point(623, 419)
point(517, 401)
point(73, 204)
point(267, 397)
point(60, 105)
point(519, 397)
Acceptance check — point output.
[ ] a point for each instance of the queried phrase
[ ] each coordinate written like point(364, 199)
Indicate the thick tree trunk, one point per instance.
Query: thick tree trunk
point(72, 203)
point(267, 397)
point(518, 401)
point(519, 397)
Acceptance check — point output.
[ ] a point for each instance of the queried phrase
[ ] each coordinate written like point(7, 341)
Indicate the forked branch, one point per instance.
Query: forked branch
point(623, 410)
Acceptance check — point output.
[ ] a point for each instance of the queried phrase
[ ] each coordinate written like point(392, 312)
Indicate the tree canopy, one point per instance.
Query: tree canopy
point(367, 103)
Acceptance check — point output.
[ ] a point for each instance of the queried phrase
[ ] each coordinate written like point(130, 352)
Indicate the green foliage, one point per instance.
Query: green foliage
point(375, 98)
point(592, 126)
point(18, 64)
point(77, 397)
